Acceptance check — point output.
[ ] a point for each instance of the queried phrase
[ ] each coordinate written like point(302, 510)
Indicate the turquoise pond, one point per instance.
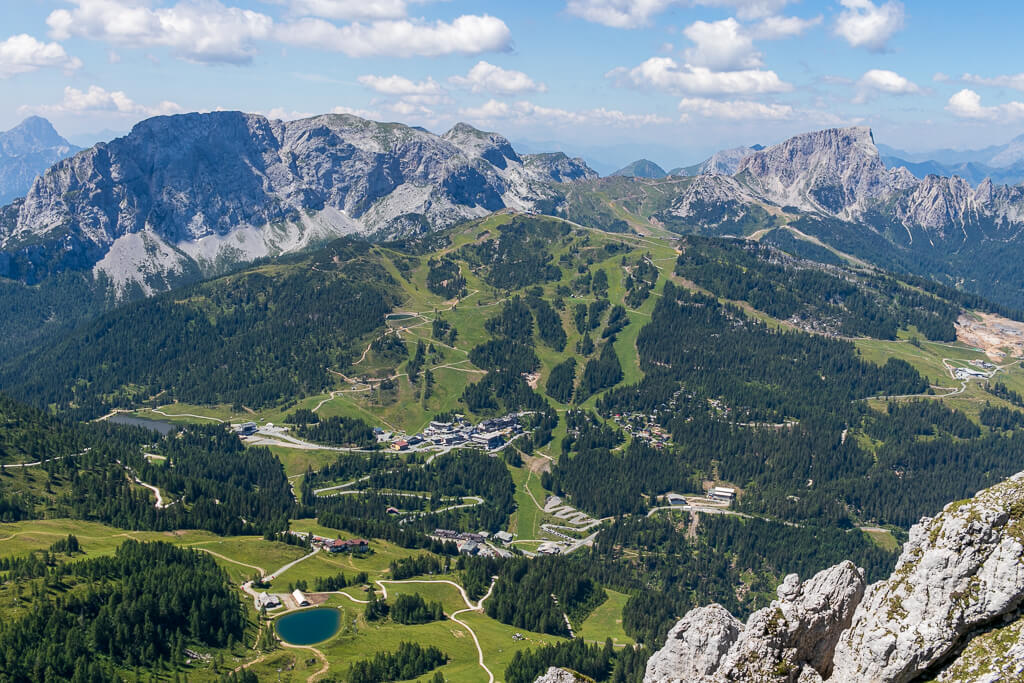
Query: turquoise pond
point(309, 626)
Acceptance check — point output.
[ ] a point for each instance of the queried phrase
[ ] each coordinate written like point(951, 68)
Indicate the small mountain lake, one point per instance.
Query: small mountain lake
point(155, 425)
point(309, 626)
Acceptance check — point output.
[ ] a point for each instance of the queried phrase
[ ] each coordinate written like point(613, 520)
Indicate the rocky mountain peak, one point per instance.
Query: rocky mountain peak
point(195, 193)
point(951, 610)
point(837, 171)
point(492, 147)
point(31, 135)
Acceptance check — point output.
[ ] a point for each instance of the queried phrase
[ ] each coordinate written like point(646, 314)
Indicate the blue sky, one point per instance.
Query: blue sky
point(672, 80)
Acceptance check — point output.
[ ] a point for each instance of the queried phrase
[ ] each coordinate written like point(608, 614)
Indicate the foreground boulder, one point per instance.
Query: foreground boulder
point(959, 573)
point(950, 611)
point(790, 640)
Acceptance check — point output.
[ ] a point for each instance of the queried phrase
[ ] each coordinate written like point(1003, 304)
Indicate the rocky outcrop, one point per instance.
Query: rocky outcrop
point(199, 192)
point(950, 611)
point(556, 675)
point(959, 574)
point(837, 171)
point(790, 640)
point(695, 646)
point(27, 150)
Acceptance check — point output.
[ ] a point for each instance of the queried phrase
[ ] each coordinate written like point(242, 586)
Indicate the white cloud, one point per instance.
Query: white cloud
point(618, 13)
point(22, 53)
point(747, 9)
point(97, 99)
point(467, 34)
point(206, 32)
point(663, 73)
point(736, 110)
point(361, 113)
point(883, 81)
point(864, 24)
point(486, 77)
point(721, 46)
point(398, 85)
point(287, 114)
point(775, 28)
point(524, 111)
point(209, 31)
point(350, 10)
point(1015, 81)
point(637, 13)
point(966, 104)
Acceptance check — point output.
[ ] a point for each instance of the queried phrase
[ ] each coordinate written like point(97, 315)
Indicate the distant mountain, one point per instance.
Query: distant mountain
point(186, 196)
point(834, 187)
point(27, 150)
point(724, 162)
point(1001, 163)
point(973, 172)
point(641, 168)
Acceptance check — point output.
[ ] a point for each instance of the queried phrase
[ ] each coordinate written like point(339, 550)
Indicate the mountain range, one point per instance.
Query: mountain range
point(189, 196)
point(27, 150)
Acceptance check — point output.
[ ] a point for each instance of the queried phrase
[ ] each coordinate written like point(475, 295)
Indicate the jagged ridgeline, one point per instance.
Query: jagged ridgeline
point(253, 338)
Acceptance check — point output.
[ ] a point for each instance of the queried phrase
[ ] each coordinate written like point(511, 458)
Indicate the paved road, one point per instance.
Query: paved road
point(288, 566)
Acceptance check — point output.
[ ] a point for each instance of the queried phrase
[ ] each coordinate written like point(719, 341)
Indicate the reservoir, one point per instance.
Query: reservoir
point(155, 425)
point(310, 626)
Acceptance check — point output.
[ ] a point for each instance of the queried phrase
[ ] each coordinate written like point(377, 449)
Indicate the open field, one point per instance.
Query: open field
point(606, 621)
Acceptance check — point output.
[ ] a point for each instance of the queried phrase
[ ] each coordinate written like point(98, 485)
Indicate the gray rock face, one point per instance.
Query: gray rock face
point(791, 640)
point(27, 150)
point(556, 675)
point(207, 190)
point(959, 573)
point(837, 171)
point(952, 610)
point(695, 646)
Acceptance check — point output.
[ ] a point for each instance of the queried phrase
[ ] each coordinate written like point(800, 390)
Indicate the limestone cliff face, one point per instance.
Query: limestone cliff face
point(203, 191)
point(951, 611)
point(836, 171)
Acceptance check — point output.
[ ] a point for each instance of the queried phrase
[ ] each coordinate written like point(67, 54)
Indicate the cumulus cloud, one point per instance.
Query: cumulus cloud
point(286, 114)
point(721, 46)
point(524, 111)
point(618, 13)
point(663, 73)
point(775, 27)
point(637, 13)
point(467, 34)
point(22, 53)
point(736, 110)
point(878, 81)
point(864, 24)
point(97, 99)
point(486, 77)
point(966, 104)
point(207, 32)
point(398, 85)
point(747, 9)
point(361, 113)
point(350, 10)
point(1015, 81)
